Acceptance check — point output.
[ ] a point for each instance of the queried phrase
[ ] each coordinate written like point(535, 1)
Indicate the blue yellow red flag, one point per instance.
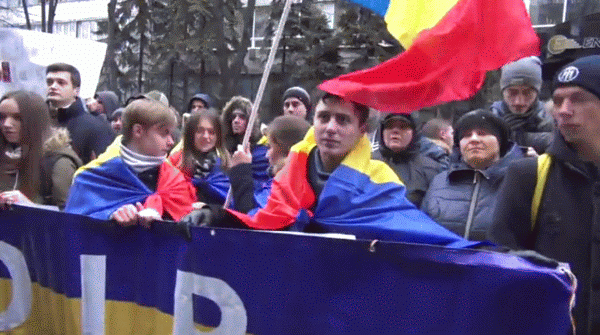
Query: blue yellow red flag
point(107, 183)
point(362, 197)
point(450, 48)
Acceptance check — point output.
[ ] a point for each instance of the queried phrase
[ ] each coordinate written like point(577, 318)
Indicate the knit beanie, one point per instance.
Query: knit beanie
point(300, 93)
point(481, 119)
point(526, 71)
point(584, 72)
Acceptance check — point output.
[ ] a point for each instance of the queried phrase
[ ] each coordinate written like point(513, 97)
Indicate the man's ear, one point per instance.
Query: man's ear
point(137, 131)
point(76, 90)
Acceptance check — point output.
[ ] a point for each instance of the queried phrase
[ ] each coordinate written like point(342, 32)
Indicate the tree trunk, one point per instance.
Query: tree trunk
point(51, 13)
point(43, 8)
point(26, 12)
point(110, 48)
point(141, 61)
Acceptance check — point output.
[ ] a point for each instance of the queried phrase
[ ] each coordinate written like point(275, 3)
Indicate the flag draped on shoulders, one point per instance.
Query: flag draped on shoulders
point(362, 197)
point(450, 45)
point(214, 187)
point(107, 183)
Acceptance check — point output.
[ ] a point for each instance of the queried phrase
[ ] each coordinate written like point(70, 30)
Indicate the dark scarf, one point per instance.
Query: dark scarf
point(203, 164)
point(517, 121)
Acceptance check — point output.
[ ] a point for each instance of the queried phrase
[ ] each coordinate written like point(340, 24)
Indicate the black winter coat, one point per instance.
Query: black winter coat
point(568, 225)
point(414, 169)
point(89, 134)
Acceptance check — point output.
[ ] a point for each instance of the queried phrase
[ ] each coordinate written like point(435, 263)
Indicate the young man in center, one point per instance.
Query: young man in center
point(330, 184)
point(132, 183)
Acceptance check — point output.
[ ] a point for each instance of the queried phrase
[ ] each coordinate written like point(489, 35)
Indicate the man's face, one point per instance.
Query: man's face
point(337, 129)
point(95, 106)
point(479, 148)
point(293, 106)
point(205, 137)
point(197, 106)
point(577, 114)
point(519, 98)
point(397, 135)
point(239, 121)
point(155, 141)
point(61, 92)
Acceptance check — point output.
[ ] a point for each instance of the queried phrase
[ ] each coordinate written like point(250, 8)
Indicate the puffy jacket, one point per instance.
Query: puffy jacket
point(463, 199)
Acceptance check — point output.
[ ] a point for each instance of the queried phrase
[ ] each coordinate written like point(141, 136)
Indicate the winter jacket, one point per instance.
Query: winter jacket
point(260, 163)
point(57, 169)
point(568, 224)
point(90, 135)
point(534, 131)
point(462, 199)
point(436, 150)
point(414, 169)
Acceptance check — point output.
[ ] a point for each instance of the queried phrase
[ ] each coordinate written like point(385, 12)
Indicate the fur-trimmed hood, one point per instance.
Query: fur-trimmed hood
point(59, 141)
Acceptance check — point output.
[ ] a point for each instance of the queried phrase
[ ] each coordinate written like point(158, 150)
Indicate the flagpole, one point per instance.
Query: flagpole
point(263, 84)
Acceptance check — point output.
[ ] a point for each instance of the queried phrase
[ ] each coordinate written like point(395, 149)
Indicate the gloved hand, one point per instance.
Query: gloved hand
point(535, 258)
point(198, 218)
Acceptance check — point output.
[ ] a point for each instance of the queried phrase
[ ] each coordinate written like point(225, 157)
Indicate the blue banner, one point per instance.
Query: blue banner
point(69, 274)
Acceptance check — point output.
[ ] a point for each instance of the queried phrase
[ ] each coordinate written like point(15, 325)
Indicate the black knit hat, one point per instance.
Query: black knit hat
point(483, 119)
point(300, 93)
point(584, 72)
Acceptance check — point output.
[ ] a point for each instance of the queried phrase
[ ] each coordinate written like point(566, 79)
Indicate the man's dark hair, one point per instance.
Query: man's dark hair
point(362, 110)
point(59, 67)
point(433, 127)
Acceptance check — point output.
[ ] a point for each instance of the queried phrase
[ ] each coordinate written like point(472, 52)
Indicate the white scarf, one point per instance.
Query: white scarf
point(138, 162)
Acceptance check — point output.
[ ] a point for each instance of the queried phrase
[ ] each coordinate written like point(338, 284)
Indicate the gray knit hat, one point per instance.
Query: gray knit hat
point(525, 71)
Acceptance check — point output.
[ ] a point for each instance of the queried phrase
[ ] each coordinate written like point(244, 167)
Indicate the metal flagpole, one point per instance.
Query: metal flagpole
point(263, 84)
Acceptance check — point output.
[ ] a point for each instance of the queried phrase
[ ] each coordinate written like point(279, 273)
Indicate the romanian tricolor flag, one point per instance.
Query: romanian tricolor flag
point(214, 187)
point(107, 183)
point(450, 45)
point(362, 197)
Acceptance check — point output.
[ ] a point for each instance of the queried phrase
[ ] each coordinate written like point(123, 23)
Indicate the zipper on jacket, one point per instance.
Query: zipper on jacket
point(476, 181)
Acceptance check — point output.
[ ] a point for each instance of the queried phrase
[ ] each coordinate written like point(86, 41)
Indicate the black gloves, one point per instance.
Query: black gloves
point(198, 218)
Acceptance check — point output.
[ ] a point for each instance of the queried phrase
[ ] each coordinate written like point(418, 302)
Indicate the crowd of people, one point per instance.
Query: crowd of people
point(520, 173)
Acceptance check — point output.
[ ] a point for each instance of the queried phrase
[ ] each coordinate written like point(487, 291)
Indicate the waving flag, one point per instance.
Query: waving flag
point(451, 44)
point(107, 183)
point(361, 197)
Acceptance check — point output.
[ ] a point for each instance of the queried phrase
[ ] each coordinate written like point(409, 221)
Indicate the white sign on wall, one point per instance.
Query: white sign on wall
point(25, 55)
